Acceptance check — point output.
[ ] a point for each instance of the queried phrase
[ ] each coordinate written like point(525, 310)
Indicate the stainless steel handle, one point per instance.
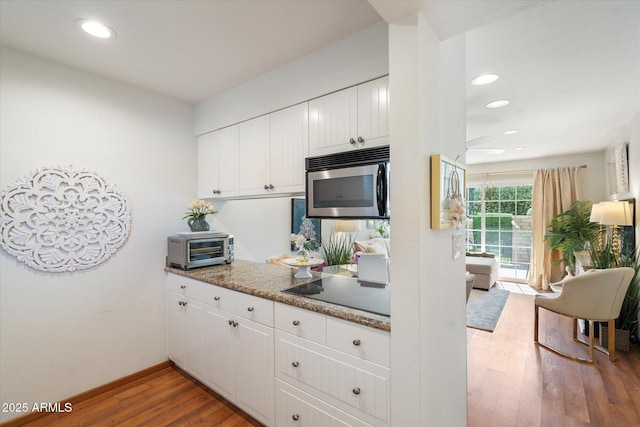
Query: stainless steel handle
point(356, 390)
point(295, 417)
point(249, 308)
point(352, 141)
point(296, 322)
point(295, 364)
point(266, 187)
point(216, 298)
point(356, 342)
point(183, 286)
point(361, 140)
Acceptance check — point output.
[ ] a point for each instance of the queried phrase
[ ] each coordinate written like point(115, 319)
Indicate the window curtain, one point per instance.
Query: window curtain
point(554, 191)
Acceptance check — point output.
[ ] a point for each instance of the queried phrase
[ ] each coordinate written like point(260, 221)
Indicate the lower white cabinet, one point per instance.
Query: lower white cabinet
point(228, 351)
point(345, 381)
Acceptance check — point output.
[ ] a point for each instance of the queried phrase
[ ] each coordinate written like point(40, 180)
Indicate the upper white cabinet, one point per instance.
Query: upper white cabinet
point(272, 149)
point(218, 163)
point(356, 117)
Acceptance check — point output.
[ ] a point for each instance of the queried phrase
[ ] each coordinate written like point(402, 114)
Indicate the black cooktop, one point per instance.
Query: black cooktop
point(348, 292)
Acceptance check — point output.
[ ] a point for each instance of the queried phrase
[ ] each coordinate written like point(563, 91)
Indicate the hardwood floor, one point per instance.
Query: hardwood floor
point(168, 397)
point(511, 382)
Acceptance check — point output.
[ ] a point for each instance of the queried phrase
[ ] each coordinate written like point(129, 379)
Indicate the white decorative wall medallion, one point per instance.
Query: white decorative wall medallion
point(60, 219)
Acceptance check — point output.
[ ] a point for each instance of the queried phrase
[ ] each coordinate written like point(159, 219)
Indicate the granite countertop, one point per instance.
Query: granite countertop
point(268, 280)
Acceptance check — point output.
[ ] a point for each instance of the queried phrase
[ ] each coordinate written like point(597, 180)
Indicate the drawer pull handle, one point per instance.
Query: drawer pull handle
point(183, 286)
point(295, 364)
point(356, 390)
point(296, 322)
point(295, 417)
point(216, 298)
point(249, 308)
point(356, 342)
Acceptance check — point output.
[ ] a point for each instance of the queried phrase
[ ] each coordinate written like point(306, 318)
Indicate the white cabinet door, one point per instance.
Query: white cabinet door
point(253, 149)
point(373, 113)
point(333, 122)
point(289, 136)
point(175, 328)
point(218, 163)
point(220, 358)
point(255, 370)
point(194, 337)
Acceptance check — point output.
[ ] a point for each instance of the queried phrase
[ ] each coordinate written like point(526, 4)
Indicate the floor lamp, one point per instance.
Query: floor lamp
point(616, 214)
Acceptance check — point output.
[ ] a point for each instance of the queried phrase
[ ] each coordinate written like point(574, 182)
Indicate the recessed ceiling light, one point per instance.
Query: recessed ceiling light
point(95, 28)
point(510, 132)
point(484, 79)
point(518, 148)
point(498, 104)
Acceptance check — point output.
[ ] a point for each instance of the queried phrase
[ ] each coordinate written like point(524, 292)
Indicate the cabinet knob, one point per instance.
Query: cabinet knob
point(249, 308)
point(356, 390)
point(295, 417)
point(295, 364)
point(183, 286)
point(266, 187)
point(352, 141)
point(361, 140)
point(216, 298)
point(356, 342)
point(296, 322)
point(230, 322)
point(270, 186)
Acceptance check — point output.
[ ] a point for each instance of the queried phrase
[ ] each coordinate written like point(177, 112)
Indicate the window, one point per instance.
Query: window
point(500, 223)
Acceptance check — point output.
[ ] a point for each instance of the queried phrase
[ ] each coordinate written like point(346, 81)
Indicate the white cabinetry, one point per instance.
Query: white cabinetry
point(344, 379)
point(218, 163)
point(356, 117)
point(272, 149)
point(224, 339)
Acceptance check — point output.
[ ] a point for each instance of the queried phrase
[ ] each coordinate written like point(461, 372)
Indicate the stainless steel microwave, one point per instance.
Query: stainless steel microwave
point(352, 184)
point(188, 252)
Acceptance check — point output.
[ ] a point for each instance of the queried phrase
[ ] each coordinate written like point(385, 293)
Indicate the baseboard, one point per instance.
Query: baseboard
point(105, 388)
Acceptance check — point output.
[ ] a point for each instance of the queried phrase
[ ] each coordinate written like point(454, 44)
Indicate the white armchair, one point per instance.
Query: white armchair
point(594, 296)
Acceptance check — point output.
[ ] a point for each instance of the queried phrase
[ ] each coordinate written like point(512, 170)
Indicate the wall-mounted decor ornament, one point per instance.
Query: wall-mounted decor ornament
point(61, 219)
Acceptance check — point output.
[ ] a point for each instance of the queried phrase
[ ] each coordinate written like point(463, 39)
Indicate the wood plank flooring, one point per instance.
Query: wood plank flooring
point(511, 382)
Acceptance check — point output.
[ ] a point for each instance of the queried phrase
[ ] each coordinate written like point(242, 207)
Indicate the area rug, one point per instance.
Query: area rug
point(484, 308)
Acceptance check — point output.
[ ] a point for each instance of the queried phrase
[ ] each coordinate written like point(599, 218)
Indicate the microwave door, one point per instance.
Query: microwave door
point(353, 192)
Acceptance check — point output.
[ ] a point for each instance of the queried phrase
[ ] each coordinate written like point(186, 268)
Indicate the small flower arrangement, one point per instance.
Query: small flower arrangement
point(199, 209)
point(299, 241)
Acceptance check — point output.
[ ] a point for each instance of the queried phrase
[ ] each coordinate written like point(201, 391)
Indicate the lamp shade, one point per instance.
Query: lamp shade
point(596, 212)
point(616, 213)
point(347, 226)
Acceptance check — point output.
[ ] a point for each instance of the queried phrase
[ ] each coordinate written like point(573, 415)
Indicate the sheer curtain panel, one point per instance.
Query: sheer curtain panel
point(554, 191)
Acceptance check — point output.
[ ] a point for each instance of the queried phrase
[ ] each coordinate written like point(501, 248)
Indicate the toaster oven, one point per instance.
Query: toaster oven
point(188, 252)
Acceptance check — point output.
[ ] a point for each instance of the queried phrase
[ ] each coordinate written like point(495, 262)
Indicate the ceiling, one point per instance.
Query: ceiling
point(570, 69)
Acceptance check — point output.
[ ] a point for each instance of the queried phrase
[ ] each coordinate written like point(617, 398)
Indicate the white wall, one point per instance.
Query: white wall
point(360, 57)
point(64, 333)
point(593, 177)
point(428, 336)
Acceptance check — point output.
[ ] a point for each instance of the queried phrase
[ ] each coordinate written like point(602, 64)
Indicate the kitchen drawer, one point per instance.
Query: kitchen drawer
point(352, 385)
point(302, 323)
point(212, 295)
point(254, 308)
point(360, 341)
point(176, 283)
point(295, 408)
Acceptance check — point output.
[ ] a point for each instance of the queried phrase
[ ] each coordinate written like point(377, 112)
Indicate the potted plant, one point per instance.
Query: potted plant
point(338, 249)
point(571, 232)
point(627, 322)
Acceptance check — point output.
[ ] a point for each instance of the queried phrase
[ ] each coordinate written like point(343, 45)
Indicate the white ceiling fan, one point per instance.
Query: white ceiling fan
point(473, 144)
